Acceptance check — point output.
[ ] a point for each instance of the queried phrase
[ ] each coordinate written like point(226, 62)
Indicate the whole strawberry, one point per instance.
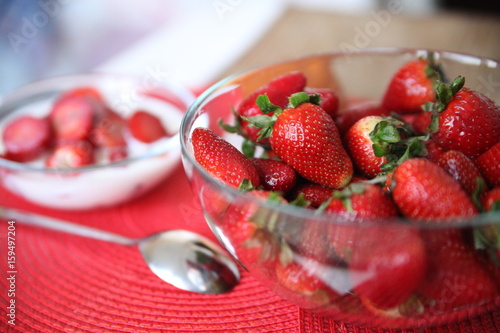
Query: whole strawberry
point(463, 170)
point(387, 265)
point(277, 90)
point(455, 277)
point(410, 87)
point(245, 225)
point(423, 190)
point(356, 202)
point(305, 137)
point(489, 165)
point(347, 117)
point(275, 175)
point(464, 119)
point(221, 159)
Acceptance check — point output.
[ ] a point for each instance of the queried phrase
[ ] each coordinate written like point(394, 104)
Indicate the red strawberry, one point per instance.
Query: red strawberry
point(72, 114)
point(305, 137)
point(348, 117)
point(275, 175)
point(424, 191)
point(277, 90)
point(421, 122)
point(329, 99)
point(489, 165)
point(410, 87)
point(362, 200)
point(387, 273)
point(222, 160)
point(303, 283)
point(463, 170)
point(359, 145)
point(491, 201)
point(357, 201)
point(465, 120)
point(434, 151)
point(71, 155)
point(146, 127)
point(109, 130)
point(455, 277)
point(242, 224)
point(26, 138)
point(315, 194)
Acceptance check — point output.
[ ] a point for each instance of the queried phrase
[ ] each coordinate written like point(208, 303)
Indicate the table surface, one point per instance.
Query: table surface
point(107, 289)
point(300, 32)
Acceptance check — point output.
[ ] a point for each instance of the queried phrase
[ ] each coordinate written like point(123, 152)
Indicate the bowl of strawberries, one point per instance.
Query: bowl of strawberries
point(91, 140)
point(363, 186)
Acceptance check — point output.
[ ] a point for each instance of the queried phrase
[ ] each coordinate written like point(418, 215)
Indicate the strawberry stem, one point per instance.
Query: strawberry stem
point(444, 94)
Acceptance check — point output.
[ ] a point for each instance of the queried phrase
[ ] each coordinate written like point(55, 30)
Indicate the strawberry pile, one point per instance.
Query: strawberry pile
point(427, 153)
point(80, 129)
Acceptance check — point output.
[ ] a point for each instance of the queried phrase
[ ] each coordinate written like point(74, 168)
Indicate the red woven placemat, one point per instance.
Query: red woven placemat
point(66, 283)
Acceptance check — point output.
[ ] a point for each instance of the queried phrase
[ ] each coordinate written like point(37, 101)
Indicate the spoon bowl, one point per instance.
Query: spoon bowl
point(184, 259)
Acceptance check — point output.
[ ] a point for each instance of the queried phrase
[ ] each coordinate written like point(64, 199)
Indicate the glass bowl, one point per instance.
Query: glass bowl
point(293, 250)
point(106, 182)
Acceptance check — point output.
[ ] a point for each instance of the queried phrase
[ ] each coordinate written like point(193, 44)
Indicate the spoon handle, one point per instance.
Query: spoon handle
point(63, 226)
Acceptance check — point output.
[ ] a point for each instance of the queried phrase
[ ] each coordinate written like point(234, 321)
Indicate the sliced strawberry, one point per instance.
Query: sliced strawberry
point(71, 155)
point(146, 127)
point(423, 190)
point(348, 117)
point(463, 170)
point(410, 87)
point(25, 138)
point(387, 273)
point(489, 165)
point(109, 130)
point(275, 175)
point(455, 277)
point(223, 160)
point(73, 113)
point(464, 119)
point(329, 99)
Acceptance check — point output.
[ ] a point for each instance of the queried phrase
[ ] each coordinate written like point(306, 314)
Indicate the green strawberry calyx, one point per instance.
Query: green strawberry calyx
point(396, 141)
point(266, 122)
point(444, 94)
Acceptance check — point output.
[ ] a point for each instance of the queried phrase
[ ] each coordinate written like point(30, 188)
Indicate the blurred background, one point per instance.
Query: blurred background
point(196, 42)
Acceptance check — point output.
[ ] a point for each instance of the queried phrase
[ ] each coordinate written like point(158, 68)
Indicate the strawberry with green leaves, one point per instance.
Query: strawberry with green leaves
point(245, 225)
point(424, 191)
point(377, 144)
point(464, 119)
point(222, 160)
point(347, 117)
point(356, 201)
point(304, 136)
point(277, 90)
point(411, 86)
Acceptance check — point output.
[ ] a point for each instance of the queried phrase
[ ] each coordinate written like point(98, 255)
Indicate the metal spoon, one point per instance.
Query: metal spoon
point(182, 258)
